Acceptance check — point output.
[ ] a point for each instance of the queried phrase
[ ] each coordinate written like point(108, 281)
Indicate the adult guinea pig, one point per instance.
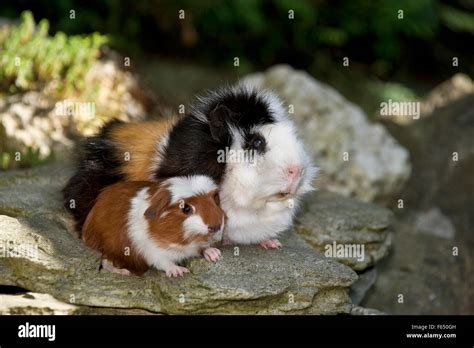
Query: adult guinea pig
point(259, 192)
point(137, 225)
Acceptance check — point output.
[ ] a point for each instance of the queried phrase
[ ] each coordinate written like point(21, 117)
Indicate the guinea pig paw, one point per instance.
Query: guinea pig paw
point(226, 242)
point(270, 244)
point(211, 254)
point(176, 271)
point(109, 267)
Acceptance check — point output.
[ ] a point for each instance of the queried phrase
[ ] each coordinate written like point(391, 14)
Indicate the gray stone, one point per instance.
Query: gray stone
point(423, 269)
point(447, 92)
point(433, 273)
point(42, 254)
point(327, 218)
point(34, 304)
point(376, 165)
point(360, 288)
point(357, 310)
point(434, 222)
point(442, 150)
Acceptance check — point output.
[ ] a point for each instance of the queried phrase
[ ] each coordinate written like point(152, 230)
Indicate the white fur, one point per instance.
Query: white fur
point(156, 160)
point(139, 234)
point(275, 105)
point(248, 191)
point(194, 225)
point(188, 186)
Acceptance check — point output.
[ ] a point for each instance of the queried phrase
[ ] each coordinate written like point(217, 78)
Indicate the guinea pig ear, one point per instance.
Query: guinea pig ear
point(217, 121)
point(158, 203)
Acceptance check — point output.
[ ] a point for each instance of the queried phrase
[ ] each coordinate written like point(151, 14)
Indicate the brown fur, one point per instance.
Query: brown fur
point(105, 228)
point(139, 140)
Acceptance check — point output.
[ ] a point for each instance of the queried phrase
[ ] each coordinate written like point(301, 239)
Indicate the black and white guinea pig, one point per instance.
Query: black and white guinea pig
point(259, 192)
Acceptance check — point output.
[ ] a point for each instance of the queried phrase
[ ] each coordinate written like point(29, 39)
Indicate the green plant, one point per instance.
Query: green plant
point(30, 58)
point(30, 157)
point(5, 159)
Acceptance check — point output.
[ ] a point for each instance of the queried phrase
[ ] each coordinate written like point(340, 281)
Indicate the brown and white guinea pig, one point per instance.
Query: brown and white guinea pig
point(137, 224)
point(259, 193)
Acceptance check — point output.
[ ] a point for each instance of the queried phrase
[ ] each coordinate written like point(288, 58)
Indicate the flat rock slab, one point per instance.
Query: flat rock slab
point(327, 218)
point(34, 304)
point(41, 253)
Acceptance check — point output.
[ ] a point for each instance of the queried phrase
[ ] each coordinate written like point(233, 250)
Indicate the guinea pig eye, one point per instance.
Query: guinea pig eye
point(256, 142)
point(217, 199)
point(187, 209)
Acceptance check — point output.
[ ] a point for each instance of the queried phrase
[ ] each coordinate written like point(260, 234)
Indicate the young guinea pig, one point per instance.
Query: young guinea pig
point(259, 191)
point(137, 225)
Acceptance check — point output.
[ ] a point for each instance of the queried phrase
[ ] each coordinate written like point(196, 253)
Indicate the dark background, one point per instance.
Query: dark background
point(260, 33)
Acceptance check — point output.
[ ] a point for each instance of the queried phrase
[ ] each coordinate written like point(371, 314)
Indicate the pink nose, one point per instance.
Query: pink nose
point(293, 171)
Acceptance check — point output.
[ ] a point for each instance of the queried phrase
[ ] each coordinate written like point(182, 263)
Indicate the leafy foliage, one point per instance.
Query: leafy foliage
point(30, 58)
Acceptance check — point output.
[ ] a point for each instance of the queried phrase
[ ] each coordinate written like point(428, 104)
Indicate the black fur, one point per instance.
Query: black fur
point(246, 108)
point(193, 145)
point(191, 150)
point(96, 169)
